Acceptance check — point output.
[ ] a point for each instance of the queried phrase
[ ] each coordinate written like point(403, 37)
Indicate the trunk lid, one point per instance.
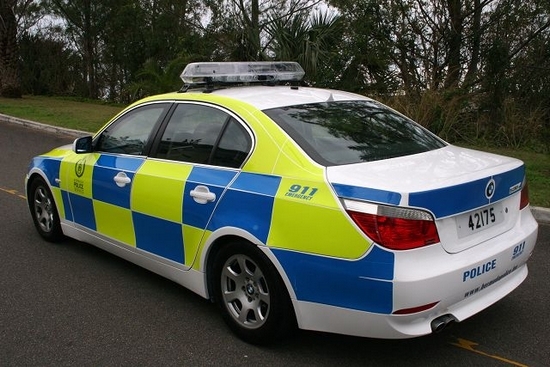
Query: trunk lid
point(473, 196)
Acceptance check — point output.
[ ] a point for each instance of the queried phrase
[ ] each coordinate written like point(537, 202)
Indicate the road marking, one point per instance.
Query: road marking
point(469, 345)
point(13, 192)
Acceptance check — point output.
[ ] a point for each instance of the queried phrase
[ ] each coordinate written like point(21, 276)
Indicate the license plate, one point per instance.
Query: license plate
point(479, 220)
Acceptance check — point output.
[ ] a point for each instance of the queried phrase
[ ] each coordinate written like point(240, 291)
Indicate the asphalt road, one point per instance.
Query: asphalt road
point(72, 304)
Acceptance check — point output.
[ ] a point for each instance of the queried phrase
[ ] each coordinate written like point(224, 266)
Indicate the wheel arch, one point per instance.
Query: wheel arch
point(224, 236)
point(35, 179)
point(33, 176)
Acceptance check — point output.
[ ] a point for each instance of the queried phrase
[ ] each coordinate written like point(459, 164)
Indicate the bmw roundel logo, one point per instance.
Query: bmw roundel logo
point(490, 189)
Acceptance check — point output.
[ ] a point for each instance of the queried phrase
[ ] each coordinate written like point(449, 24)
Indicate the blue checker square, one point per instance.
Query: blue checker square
point(83, 210)
point(105, 189)
point(50, 166)
point(159, 236)
point(363, 285)
point(67, 206)
point(258, 183)
point(248, 211)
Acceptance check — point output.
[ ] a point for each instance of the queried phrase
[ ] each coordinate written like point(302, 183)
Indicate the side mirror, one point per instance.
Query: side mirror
point(83, 145)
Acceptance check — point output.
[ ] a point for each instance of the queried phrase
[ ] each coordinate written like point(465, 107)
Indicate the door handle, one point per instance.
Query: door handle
point(121, 179)
point(202, 195)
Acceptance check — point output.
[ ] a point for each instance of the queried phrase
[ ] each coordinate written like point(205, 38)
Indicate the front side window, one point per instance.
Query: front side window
point(345, 132)
point(205, 135)
point(131, 132)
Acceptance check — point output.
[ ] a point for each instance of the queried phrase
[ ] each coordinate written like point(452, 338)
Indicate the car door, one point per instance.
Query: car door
point(99, 184)
point(197, 155)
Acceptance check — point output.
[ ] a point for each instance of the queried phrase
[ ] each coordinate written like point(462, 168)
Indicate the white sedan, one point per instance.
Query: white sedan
point(293, 206)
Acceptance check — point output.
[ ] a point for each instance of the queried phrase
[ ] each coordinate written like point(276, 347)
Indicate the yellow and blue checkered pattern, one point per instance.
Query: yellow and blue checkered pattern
point(298, 218)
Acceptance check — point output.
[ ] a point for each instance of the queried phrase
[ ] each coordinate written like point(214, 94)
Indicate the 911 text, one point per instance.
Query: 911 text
point(301, 192)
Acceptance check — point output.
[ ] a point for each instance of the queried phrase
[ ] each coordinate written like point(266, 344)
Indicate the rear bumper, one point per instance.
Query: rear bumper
point(314, 316)
point(462, 284)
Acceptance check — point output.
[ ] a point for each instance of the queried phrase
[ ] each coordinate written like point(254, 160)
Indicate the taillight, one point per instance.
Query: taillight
point(524, 201)
point(393, 227)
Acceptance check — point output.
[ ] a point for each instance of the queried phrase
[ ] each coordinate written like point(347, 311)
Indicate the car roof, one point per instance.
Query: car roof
point(267, 97)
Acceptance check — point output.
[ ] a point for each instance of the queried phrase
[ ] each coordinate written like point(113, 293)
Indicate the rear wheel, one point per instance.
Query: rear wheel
point(43, 211)
point(251, 294)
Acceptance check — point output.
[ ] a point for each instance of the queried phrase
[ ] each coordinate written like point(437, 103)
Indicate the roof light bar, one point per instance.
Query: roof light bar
point(241, 72)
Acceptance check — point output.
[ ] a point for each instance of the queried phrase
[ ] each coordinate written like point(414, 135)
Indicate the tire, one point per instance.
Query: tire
point(251, 295)
point(44, 211)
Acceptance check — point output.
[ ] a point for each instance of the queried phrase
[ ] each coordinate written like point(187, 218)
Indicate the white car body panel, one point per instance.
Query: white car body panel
point(439, 168)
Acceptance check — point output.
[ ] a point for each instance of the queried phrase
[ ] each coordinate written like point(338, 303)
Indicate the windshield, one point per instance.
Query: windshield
point(345, 132)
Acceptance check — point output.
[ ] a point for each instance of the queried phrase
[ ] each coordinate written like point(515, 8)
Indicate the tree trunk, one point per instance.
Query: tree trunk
point(476, 43)
point(10, 85)
point(255, 30)
point(89, 50)
point(454, 43)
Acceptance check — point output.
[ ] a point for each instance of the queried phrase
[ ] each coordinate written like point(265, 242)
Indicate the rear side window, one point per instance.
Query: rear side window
point(206, 135)
point(345, 132)
point(191, 133)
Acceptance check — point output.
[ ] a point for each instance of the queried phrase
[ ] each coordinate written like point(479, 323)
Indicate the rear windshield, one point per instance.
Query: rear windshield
point(345, 132)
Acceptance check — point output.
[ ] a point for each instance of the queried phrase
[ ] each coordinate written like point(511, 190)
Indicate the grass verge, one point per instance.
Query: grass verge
point(85, 116)
point(91, 116)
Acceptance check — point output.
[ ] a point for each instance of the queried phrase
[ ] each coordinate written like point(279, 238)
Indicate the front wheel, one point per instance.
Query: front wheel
point(43, 211)
point(251, 295)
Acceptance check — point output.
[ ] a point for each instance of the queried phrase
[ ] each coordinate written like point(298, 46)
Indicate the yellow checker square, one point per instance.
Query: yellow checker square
point(121, 229)
point(293, 163)
point(56, 192)
point(158, 189)
point(56, 152)
point(321, 228)
point(193, 244)
point(76, 172)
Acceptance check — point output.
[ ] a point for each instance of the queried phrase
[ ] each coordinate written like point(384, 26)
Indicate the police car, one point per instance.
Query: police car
point(293, 206)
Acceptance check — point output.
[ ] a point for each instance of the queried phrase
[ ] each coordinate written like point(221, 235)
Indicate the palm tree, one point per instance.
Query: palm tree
point(312, 41)
point(155, 79)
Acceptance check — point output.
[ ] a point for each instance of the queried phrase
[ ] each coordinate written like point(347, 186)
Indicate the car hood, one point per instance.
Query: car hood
point(446, 181)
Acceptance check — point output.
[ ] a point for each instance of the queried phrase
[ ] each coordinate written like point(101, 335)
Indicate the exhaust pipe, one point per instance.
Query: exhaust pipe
point(442, 322)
